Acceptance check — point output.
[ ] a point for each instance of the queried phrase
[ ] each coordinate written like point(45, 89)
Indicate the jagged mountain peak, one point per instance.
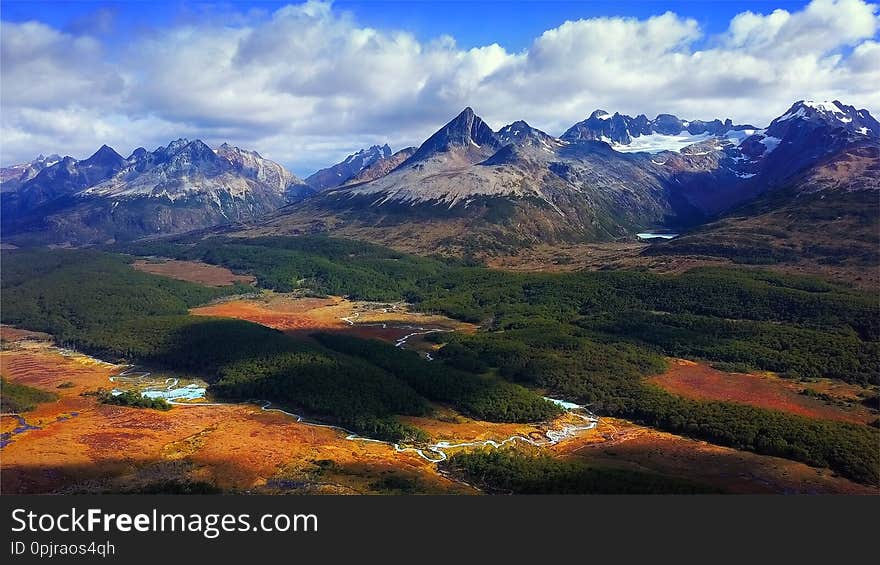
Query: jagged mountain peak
point(629, 134)
point(467, 113)
point(198, 145)
point(369, 155)
point(833, 113)
point(466, 130)
point(383, 166)
point(348, 168)
point(174, 145)
point(233, 152)
point(13, 176)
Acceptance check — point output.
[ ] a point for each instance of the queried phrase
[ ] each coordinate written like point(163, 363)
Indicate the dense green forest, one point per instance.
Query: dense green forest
point(332, 266)
point(607, 376)
point(588, 336)
point(482, 397)
point(16, 397)
point(75, 295)
point(95, 302)
point(507, 471)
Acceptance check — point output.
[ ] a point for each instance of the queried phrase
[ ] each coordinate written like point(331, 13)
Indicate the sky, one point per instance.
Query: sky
point(308, 83)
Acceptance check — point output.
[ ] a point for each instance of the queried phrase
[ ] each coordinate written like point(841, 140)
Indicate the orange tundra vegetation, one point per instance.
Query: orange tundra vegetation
point(700, 381)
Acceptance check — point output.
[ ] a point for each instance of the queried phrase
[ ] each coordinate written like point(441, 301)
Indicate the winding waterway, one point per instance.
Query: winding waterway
point(191, 394)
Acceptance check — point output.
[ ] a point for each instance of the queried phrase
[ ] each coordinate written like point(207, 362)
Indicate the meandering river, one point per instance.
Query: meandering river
point(193, 394)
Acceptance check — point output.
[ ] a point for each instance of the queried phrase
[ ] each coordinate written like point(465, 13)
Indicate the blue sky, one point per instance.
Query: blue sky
point(473, 23)
point(308, 83)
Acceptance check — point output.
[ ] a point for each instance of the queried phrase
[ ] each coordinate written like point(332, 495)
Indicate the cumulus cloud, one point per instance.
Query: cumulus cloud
point(308, 84)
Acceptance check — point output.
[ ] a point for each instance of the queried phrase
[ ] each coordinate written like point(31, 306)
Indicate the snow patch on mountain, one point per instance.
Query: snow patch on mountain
point(657, 142)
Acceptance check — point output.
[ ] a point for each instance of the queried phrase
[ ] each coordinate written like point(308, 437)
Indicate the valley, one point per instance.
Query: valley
point(638, 305)
point(424, 369)
point(80, 446)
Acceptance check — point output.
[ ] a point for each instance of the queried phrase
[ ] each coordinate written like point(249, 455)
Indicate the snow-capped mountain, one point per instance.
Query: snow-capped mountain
point(182, 186)
point(746, 163)
point(604, 178)
point(807, 132)
point(186, 168)
point(467, 174)
point(342, 172)
point(65, 177)
point(666, 132)
point(813, 115)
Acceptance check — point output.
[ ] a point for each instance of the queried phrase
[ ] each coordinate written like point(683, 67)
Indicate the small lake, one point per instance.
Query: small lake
point(648, 235)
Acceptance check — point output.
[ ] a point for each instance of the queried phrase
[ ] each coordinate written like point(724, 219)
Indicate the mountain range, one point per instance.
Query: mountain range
point(466, 187)
point(183, 186)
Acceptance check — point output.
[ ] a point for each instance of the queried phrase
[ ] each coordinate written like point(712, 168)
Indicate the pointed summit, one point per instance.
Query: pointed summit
point(467, 130)
point(106, 156)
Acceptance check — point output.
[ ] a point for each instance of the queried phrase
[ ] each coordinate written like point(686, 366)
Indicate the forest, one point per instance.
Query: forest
point(479, 396)
point(586, 336)
point(509, 472)
point(96, 303)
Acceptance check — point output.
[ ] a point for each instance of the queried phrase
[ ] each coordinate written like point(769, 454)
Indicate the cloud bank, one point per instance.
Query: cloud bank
point(307, 84)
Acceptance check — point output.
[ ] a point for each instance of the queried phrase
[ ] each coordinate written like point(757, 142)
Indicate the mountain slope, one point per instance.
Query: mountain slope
point(467, 186)
point(826, 220)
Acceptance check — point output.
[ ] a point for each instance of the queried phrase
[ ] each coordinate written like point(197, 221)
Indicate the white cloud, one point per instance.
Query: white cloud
point(42, 66)
point(308, 84)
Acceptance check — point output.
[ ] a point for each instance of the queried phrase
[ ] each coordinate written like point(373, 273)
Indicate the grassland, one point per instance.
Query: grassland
point(192, 271)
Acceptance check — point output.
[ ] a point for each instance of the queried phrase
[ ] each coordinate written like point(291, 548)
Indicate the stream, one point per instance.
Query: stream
point(418, 330)
point(189, 395)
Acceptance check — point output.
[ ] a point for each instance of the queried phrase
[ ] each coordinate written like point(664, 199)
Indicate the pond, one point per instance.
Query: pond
point(649, 235)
